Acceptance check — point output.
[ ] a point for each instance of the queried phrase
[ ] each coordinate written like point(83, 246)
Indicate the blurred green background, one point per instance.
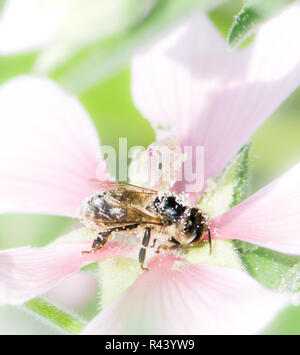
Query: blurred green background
point(276, 145)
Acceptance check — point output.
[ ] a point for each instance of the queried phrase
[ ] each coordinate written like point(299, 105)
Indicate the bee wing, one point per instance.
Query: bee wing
point(136, 214)
point(107, 185)
point(134, 198)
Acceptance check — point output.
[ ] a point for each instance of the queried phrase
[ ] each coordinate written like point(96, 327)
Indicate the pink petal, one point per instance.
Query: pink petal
point(269, 218)
point(48, 149)
point(198, 299)
point(210, 96)
point(74, 292)
point(28, 272)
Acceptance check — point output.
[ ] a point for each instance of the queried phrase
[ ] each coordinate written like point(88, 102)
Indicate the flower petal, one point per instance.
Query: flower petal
point(28, 272)
point(211, 97)
point(74, 292)
point(198, 299)
point(269, 218)
point(48, 149)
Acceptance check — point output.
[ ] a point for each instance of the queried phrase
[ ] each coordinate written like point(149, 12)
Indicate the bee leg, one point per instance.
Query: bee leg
point(99, 242)
point(174, 244)
point(102, 237)
point(142, 257)
point(153, 243)
point(145, 243)
point(162, 246)
point(209, 241)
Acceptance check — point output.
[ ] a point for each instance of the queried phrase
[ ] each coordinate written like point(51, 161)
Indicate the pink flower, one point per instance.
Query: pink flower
point(210, 97)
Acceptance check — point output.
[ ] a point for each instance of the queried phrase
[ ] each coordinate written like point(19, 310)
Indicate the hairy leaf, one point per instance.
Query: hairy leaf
point(54, 316)
point(230, 187)
point(253, 13)
point(272, 269)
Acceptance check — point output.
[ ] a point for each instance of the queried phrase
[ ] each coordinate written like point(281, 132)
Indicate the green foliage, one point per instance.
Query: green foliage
point(230, 187)
point(110, 105)
point(18, 230)
point(271, 159)
point(2, 3)
point(15, 65)
point(240, 188)
point(98, 61)
point(253, 14)
point(46, 311)
point(222, 16)
point(272, 269)
point(286, 323)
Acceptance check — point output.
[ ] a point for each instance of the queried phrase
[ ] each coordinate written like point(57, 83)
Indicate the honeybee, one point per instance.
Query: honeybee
point(121, 207)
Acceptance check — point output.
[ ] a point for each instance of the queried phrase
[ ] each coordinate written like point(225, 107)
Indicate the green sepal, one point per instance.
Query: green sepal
point(253, 14)
point(221, 194)
point(223, 254)
point(230, 187)
point(54, 316)
point(116, 275)
point(272, 269)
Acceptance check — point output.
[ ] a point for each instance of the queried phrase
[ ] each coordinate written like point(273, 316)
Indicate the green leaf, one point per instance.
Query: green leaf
point(230, 187)
point(98, 61)
point(54, 316)
point(272, 269)
point(253, 14)
point(241, 172)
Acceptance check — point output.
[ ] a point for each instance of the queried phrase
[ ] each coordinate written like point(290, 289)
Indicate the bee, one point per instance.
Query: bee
point(121, 207)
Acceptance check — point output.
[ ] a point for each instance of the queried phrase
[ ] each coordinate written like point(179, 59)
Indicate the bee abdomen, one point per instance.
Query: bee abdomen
point(97, 208)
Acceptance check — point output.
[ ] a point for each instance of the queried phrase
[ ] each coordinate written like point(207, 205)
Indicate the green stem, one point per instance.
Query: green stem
point(66, 322)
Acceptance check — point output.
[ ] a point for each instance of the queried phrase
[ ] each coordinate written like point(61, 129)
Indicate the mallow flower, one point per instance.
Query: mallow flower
point(190, 86)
